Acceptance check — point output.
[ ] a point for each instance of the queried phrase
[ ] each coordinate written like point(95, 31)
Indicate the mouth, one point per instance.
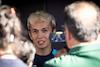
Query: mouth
point(41, 42)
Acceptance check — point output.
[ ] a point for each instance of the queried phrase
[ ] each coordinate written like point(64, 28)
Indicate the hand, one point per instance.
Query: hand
point(60, 52)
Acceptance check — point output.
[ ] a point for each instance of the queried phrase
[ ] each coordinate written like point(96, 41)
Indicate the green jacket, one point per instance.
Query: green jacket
point(79, 56)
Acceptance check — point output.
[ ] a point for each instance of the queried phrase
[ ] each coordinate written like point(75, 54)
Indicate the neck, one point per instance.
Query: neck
point(44, 51)
point(7, 54)
point(90, 42)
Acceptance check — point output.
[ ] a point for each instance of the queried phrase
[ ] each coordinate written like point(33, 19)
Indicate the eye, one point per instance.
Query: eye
point(35, 31)
point(45, 30)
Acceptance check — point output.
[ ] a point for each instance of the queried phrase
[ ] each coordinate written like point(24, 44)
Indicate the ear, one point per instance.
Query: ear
point(30, 34)
point(30, 64)
point(54, 31)
point(67, 35)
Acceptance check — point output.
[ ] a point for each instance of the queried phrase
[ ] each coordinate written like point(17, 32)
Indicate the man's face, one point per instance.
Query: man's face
point(39, 34)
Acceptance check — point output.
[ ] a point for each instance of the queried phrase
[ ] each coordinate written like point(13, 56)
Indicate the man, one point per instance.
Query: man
point(82, 21)
point(59, 38)
point(40, 25)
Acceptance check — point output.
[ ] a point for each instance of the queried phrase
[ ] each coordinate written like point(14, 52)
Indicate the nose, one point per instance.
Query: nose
point(40, 35)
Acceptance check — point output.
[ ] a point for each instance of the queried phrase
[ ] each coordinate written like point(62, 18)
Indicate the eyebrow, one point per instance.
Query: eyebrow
point(45, 28)
point(34, 29)
point(42, 28)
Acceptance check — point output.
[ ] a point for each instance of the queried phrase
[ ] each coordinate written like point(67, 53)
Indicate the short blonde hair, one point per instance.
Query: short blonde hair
point(40, 16)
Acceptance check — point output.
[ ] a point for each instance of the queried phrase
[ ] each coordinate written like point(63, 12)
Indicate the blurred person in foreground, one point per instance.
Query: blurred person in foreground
point(26, 50)
point(9, 30)
point(82, 25)
point(40, 25)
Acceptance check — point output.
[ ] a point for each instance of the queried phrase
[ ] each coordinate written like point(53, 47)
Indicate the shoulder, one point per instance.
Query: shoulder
point(20, 63)
point(58, 62)
point(12, 63)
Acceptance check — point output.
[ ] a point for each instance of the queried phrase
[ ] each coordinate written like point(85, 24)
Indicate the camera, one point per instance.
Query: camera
point(58, 36)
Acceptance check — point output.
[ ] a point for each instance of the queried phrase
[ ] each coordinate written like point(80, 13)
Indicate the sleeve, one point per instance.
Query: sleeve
point(56, 62)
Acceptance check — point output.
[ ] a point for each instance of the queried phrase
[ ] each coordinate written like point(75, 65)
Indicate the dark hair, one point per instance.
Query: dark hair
point(82, 28)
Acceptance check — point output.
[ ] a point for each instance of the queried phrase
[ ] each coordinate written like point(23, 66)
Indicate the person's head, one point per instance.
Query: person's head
point(82, 21)
point(58, 36)
point(10, 35)
point(25, 51)
point(9, 25)
point(40, 24)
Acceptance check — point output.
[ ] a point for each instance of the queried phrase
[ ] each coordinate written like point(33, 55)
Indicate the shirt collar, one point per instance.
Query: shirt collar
point(84, 48)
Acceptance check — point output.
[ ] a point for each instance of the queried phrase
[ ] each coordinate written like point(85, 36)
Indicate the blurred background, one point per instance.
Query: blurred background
point(54, 7)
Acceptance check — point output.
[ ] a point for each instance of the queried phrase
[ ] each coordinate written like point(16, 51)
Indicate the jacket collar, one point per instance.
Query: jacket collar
point(84, 48)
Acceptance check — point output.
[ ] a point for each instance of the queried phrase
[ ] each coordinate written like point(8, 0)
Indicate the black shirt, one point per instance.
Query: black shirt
point(39, 60)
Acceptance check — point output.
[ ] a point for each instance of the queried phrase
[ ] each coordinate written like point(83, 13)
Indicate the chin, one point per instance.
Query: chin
point(42, 47)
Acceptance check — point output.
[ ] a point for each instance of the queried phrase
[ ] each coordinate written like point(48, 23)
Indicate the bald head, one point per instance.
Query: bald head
point(86, 12)
point(83, 20)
